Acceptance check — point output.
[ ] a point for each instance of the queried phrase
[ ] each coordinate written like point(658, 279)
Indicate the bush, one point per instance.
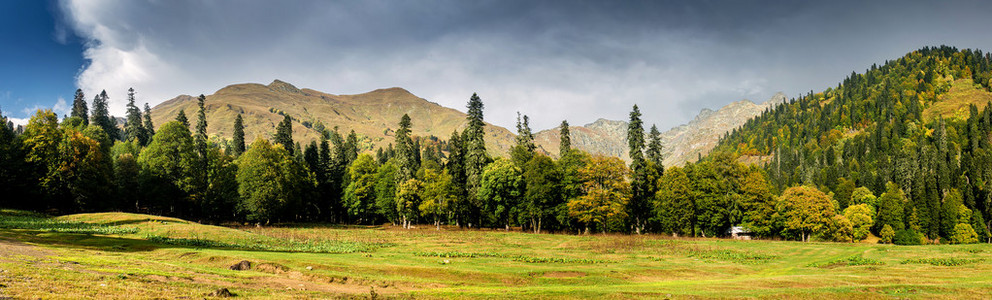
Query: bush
point(887, 234)
point(907, 237)
point(964, 234)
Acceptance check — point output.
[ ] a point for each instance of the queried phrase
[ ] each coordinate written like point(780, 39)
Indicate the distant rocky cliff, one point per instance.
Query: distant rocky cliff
point(682, 143)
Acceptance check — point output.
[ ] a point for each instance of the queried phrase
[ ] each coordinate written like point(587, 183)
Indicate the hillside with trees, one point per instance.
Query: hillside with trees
point(909, 138)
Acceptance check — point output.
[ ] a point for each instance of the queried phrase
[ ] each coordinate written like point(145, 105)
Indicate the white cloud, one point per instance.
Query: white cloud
point(552, 62)
point(18, 121)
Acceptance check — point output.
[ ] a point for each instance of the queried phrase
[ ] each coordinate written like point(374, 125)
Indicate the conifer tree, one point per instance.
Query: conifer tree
point(284, 134)
point(79, 108)
point(149, 128)
point(654, 148)
point(523, 151)
point(133, 129)
point(565, 142)
point(181, 118)
point(476, 158)
point(101, 116)
point(638, 208)
point(405, 151)
point(238, 146)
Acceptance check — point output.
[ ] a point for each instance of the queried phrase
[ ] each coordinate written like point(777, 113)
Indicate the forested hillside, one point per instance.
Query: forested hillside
point(915, 130)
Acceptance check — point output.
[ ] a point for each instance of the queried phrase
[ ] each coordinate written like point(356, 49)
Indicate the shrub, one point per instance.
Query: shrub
point(887, 234)
point(964, 234)
point(907, 237)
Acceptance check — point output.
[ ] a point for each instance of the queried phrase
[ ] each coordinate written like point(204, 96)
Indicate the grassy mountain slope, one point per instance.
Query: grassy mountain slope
point(372, 115)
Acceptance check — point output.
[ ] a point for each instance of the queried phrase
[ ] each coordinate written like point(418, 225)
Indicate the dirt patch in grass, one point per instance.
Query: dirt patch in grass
point(563, 274)
point(9, 249)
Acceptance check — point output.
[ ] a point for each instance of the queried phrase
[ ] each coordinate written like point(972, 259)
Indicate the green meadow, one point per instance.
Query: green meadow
point(121, 255)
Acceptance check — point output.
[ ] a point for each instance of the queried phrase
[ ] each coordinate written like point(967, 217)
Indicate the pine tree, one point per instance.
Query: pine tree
point(476, 158)
point(523, 151)
point(284, 134)
point(405, 151)
point(133, 129)
point(101, 116)
point(181, 118)
point(79, 108)
point(638, 208)
point(565, 142)
point(456, 168)
point(238, 146)
point(149, 128)
point(653, 151)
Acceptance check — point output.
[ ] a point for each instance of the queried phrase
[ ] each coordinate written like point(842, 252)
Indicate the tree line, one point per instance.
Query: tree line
point(825, 158)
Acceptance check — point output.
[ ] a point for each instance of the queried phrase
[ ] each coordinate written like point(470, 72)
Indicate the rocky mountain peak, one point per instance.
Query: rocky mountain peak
point(282, 86)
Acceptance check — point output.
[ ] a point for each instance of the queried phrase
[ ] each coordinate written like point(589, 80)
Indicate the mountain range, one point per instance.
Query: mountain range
point(374, 116)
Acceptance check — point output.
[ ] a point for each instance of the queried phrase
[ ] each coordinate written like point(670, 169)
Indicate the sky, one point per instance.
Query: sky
point(551, 60)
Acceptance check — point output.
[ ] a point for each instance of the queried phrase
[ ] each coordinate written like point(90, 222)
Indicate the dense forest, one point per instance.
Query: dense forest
point(865, 158)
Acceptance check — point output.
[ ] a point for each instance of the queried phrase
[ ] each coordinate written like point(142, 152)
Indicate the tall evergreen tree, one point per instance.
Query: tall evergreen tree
point(181, 118)
point(476, 158)
point(654, 148)
point(456, 168)
point(405, 151)
point(284, 134)
point(133, 129)
point(639, 207)
point(238, 145)
point(523, 151)
point(565, 142)
point(149, 128)
point(101, 116)
point(79, 108)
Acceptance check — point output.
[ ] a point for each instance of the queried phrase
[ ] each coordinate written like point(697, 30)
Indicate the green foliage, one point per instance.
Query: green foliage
point(475, 156)
point(758, 204)
point(238, 142)
point(79, 109)
point(908, 237)
point(890, 207)
point(861, 217)
point(167, 168)
point(887, 234)
point(101, 116)
point(408, 200)
point(501, 189)
point(385, 190)
point(543, 181)
point(565, 139)
point(360, 194)
point(133, 128)
point(854, 260)
point(271, 183)
point(943, 262)
point(606, 194)
point(435, 196)
point(675, 205)
point(406, 151)
point(964, 234)
point(804, 210)
point(523, 151)
point(284, 134)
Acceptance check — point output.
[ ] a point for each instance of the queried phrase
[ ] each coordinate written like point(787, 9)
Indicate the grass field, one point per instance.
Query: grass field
point(119, 255)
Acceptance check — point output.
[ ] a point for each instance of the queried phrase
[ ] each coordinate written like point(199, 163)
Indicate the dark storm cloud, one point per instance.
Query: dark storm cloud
point(553, 60)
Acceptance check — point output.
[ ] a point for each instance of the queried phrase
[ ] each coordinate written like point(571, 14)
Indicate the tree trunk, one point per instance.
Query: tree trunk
point(538, 226)
point(437, 223)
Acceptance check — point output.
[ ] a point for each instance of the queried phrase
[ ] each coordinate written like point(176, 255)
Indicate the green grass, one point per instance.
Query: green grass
point(141, 256)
